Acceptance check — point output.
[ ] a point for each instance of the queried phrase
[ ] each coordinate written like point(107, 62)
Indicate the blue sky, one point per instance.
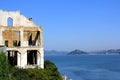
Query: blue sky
point(73, 24)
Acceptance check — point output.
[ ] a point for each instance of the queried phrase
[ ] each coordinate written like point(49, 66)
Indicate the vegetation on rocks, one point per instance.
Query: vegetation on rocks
point(8, 72)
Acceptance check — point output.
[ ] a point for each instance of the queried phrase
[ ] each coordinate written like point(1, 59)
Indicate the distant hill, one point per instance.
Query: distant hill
point(77, 52)
point(54, 52)
point(111, 51)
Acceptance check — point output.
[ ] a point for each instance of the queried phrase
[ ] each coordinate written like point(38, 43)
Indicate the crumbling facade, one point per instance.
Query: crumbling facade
point(21, 39)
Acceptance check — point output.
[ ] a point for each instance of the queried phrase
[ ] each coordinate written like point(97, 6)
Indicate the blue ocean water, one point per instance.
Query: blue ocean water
point(88, 67)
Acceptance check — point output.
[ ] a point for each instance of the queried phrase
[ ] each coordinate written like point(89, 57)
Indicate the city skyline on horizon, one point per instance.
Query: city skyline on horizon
point(88, 25)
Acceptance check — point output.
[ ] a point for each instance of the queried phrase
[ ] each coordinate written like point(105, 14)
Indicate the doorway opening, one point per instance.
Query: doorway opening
point(12, 57)
point(31, 57)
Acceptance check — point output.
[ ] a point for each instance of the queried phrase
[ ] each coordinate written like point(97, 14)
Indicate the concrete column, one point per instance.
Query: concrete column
point(18, 59)
point(41, 39)
point(23, 59)
point(1, 37)
point(42, 59)
point(38, 59)
point(21, 37)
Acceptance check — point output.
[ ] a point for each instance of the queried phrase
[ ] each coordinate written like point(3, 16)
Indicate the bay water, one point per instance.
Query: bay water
point(88, 67)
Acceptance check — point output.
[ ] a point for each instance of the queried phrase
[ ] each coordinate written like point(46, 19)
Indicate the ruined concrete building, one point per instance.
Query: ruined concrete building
point(21, 39)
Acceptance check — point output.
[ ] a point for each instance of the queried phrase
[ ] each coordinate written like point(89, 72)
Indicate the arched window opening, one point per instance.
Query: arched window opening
point(10, 21)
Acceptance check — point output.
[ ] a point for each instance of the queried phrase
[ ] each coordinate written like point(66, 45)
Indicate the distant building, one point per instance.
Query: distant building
point(21, 39)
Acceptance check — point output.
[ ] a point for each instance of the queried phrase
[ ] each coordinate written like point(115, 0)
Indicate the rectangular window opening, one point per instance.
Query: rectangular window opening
point(14, 42)
point(6, 43)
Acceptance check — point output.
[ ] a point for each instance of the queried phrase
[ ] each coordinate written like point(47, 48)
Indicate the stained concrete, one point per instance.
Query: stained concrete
point(20, 38)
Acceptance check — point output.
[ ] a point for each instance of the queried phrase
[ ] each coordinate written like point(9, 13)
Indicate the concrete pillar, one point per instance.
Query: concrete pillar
point(41, 39)
point(42, 59)
point(18, 59)
point(38, 59)
point(23, 59)
point(1, 37)
point(21, 37)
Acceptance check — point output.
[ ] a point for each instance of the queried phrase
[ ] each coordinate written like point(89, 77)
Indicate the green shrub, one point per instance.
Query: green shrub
point(7, 72)
point(52, 71)
point(4, 67)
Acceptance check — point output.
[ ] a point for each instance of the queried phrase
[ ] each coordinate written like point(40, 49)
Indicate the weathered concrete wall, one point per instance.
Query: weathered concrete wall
point(2, 49)
point(18, 19)
point(10, 36)
point(25, 32)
